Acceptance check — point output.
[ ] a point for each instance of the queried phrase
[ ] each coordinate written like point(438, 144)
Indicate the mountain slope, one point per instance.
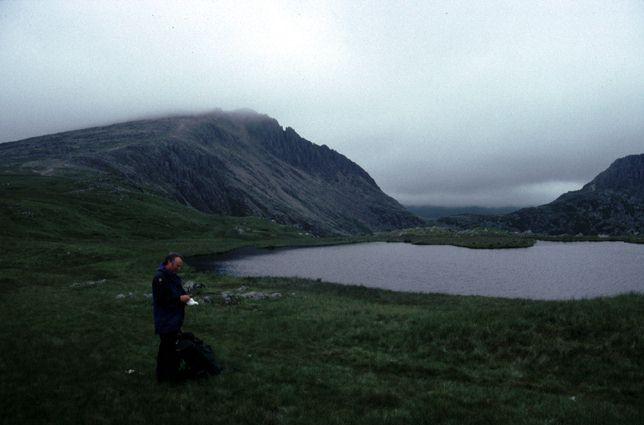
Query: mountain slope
point(233, 163)
point(612, 203)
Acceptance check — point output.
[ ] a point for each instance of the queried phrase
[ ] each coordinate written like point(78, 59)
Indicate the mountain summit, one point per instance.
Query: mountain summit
point(233, 163)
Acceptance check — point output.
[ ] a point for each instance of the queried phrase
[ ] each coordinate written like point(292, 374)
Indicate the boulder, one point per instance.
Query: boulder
point(192, 287)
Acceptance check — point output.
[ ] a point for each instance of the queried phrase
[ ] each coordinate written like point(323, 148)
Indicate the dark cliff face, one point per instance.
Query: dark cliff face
point(624, 175)
point(612, 203)
point(237, 163)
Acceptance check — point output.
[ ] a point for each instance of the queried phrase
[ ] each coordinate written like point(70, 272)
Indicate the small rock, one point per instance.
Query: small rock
point(147, 295)
point(207, 299)
point(229, 298)
point(275, 295)
point(89, 283)
point(120, 296)
point(254, 295)
point(242, 288)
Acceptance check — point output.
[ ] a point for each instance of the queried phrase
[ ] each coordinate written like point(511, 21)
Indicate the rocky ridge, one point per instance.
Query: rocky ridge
point(611, 204)
point(232, 163)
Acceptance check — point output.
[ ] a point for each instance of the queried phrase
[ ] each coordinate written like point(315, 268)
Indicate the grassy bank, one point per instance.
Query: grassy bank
point(323, 354)
point(75, 353)
point(475, 239)
point(489, 238)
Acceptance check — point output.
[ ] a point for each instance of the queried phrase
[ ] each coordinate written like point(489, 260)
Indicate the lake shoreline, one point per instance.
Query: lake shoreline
point(463, 242)
point(548, 271)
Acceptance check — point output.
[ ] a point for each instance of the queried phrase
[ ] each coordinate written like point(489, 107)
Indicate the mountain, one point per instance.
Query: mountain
point(612, 203)
point(234, 163)
point(430, 212)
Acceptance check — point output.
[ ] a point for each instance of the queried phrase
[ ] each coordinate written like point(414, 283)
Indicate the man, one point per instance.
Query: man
point(169, 301)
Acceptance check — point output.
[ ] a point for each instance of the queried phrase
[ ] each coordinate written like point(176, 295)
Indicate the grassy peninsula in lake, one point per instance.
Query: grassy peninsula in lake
point(322, 353)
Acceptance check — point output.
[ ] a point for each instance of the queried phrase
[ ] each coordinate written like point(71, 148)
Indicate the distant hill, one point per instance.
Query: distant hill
point(430, 212)
point(612, 203)
point(233, 163)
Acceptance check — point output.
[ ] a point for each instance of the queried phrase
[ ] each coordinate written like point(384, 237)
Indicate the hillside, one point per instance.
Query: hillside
point(612, 204)
point(232, 163)
point(77, 311)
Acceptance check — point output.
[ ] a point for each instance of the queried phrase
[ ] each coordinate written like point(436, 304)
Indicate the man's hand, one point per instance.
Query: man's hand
point(184, 298)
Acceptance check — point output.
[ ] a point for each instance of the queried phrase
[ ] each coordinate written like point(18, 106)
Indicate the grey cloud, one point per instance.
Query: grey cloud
point(491, 103)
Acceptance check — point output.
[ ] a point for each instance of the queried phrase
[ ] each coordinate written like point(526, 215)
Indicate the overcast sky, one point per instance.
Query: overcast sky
point(490, 103)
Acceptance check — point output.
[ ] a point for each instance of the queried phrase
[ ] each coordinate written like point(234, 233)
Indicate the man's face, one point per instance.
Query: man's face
point(175, 265)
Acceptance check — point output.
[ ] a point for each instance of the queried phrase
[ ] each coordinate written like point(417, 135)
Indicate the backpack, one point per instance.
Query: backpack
point(197, 357)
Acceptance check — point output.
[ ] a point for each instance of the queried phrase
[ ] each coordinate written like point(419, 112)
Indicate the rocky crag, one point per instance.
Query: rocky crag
point(233, 163)
point(612, 204)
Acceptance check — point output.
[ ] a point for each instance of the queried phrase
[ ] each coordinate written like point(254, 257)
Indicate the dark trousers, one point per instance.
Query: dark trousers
point(167, 359)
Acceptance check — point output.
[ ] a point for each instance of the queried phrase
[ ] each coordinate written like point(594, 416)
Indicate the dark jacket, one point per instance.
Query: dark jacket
point(167, 307)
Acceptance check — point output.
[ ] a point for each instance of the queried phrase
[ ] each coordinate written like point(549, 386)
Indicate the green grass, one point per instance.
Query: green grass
point(321, 354)
point(488, 238)
point(475, 239)
point(59, 227)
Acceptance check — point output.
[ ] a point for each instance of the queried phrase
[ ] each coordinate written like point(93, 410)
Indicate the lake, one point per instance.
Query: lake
point(547, 271)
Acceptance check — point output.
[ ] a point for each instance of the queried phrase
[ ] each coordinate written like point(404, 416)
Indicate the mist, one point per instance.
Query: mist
point(494, 103)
